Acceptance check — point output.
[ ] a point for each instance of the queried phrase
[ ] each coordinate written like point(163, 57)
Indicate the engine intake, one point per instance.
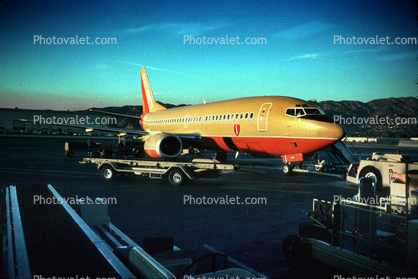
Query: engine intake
point(163, 145)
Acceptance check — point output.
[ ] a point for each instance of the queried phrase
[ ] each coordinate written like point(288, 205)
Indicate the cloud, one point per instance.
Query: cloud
point(377, 49)
point(399, 56)
point(176, 28)
point(306, 56)
point(333, 55)
point(303, 30)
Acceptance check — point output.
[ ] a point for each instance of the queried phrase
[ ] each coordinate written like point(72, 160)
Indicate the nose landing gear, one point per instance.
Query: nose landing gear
point(288, 168)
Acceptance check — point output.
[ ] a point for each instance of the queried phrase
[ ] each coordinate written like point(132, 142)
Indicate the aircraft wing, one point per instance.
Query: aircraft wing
point(90, 128)
point(116, 114)
point(190, 137)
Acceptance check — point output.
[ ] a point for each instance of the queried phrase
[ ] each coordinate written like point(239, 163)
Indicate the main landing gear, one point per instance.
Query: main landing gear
point(220, 155)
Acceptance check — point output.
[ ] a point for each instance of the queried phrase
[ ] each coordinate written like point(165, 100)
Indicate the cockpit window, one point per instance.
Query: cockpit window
point(290, 111)
point(299, 112)
point(312, 111)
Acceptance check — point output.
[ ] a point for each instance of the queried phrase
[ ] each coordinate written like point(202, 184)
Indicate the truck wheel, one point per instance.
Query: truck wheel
point(108, 173)
point(176, 177)
point(375, 173)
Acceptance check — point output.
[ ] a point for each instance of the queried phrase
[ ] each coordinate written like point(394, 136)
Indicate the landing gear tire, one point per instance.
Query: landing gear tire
point(108, 173)
point(288, 169)
point(325, 168)
point(220, 156)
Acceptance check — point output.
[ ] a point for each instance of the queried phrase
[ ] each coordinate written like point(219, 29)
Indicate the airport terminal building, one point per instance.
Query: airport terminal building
point(45, 120)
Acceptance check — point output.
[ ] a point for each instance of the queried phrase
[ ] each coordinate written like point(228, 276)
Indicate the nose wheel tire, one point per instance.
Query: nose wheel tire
point(287, 169)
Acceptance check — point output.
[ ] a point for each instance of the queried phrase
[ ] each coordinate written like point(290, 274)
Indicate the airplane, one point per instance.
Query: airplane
point(265, 126)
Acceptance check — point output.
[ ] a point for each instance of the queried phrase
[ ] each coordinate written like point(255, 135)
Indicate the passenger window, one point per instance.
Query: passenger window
point(246, 115)
point(227, 118)
point(241, 116)
point(252, 115)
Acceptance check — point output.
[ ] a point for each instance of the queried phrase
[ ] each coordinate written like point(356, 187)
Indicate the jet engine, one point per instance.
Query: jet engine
point(163, 145)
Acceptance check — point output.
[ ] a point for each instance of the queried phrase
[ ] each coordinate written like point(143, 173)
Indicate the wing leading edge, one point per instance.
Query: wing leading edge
point(90, 128)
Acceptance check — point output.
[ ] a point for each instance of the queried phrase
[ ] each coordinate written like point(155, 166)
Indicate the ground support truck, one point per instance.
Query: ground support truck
point(177, 172)
point(380, 168)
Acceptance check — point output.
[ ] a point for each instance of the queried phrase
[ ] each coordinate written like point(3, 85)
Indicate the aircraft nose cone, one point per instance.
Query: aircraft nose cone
point(329, 133)
point(338, 132)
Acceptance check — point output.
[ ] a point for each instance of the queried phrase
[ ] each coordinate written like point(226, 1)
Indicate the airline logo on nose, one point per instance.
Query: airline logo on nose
point(237, 129)
point(148, 93)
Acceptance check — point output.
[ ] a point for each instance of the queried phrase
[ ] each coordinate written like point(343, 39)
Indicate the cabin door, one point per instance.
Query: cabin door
point(262, 118)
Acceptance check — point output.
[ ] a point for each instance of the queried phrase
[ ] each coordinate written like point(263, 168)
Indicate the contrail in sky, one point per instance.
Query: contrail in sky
point(148, 67)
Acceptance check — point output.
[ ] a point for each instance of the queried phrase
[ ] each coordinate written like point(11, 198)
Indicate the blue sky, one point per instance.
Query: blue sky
point(298, 57)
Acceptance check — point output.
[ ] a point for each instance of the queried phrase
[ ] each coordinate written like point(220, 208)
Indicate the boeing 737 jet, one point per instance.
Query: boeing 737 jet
point(267, 126)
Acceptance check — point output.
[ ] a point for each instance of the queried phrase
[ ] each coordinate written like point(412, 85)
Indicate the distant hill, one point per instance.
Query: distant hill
point(404, 107)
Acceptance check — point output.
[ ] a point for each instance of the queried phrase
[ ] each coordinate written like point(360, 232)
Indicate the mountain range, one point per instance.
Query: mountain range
point(357, 117)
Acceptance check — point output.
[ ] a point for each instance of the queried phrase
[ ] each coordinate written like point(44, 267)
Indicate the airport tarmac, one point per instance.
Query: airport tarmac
point(249, 234)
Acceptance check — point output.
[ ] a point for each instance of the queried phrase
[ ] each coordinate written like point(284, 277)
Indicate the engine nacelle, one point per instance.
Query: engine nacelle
point(163, 145)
